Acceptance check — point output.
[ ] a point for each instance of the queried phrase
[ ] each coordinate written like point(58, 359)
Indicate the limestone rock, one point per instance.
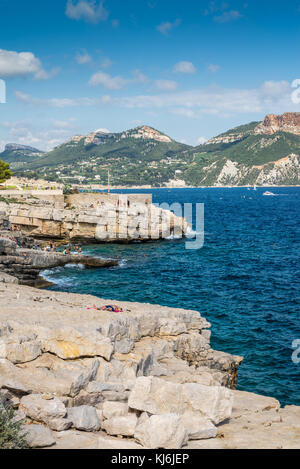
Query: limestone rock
point(68, 343)
point(7, 246)
point(287, 122)
point(6, 278)
point(84, 418)
point(157, 396)
point(112, 409)
point(38, 436)
point(198, 428)
point(46, 409)
point(20, 349)
point(121, 425)
point(290, 415)
point(162, 431)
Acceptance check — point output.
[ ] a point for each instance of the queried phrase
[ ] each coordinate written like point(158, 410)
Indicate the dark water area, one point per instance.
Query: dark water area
point(244, 280)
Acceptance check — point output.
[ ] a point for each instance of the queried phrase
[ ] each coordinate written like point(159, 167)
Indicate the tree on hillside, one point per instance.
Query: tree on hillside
point(5, 172)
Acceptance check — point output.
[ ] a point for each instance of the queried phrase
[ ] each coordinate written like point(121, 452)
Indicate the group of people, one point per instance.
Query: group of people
point(72, 249)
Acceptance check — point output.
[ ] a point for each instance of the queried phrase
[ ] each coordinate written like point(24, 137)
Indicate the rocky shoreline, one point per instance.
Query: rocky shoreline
point(146, 377)
point(25, 264)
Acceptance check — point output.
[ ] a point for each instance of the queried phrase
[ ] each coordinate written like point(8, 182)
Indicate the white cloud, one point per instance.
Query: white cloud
point(227, 16)
point(166, 27)
point(104, 130)
point(16, 64)
point(166, 85)
point(106, 63)
point(115, 23)
point(60, 102)
point(27, 133)
point(106, 80)
point(139, 77)
point(181, 111)
point(221, 12)
point(87, 10)
point(43, 75)
point(83, 58)
point(270, 97)
point(213, 68)
point(118, 82)
point(185, 67)
point(201, 140)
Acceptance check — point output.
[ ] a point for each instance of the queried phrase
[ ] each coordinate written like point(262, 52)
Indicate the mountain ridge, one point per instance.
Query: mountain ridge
point(255, 153)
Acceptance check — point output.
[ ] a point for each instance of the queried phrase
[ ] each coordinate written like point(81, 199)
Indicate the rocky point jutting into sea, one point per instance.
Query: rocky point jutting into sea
point(90, 217)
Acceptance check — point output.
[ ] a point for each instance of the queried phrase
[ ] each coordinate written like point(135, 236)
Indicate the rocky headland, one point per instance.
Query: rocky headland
point(90, 217)
point(146, 377)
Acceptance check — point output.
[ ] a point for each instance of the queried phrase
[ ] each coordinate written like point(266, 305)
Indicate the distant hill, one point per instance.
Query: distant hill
point(262, 153)
point(15, 153)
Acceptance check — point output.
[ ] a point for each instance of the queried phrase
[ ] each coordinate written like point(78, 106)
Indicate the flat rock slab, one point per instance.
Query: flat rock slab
point(74, 439)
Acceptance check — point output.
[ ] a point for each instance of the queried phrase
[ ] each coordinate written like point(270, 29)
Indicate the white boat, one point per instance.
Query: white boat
point(268, 193)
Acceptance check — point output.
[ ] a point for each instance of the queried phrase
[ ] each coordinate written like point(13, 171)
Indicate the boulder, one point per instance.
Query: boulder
point(46, 409)
point(158, 396)
point(112, 409)
point(38, 436)
point(20, 349)
point(6, 278)
point(122, 425)
point(162, 431)
point(7, 246)
point(84, 418)
point(198, 428)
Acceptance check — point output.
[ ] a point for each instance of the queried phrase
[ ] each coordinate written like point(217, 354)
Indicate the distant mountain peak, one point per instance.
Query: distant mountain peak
point(147, 133)
point(18, 146)
point(287, 122)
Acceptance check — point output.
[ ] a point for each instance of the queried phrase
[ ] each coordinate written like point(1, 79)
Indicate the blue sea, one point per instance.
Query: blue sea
point(245, 279)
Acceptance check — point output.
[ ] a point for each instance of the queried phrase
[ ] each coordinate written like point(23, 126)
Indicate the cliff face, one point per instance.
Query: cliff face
point(93, 218)
point(143, 132)
point(287, 122)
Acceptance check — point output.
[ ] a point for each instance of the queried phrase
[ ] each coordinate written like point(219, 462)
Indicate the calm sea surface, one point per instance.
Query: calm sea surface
point(245, 280)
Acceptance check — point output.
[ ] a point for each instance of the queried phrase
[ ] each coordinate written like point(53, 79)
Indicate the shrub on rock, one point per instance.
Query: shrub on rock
point(11, 434)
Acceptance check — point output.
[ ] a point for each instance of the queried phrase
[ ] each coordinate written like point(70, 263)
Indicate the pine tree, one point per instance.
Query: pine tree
point(5, 172)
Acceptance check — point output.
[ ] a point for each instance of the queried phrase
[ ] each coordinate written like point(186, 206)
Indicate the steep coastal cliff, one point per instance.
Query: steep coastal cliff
point(90, 218)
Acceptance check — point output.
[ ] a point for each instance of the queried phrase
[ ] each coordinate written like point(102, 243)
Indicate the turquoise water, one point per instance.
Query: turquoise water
point(245, 280)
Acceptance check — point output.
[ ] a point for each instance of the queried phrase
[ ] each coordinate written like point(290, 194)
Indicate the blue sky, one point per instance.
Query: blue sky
point(191, 69)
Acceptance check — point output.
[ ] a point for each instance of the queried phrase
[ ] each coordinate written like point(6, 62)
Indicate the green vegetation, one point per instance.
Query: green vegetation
point(148, 161)
point(11, 434)
point(5, 172)
point(18, 154)
point(10, 200)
